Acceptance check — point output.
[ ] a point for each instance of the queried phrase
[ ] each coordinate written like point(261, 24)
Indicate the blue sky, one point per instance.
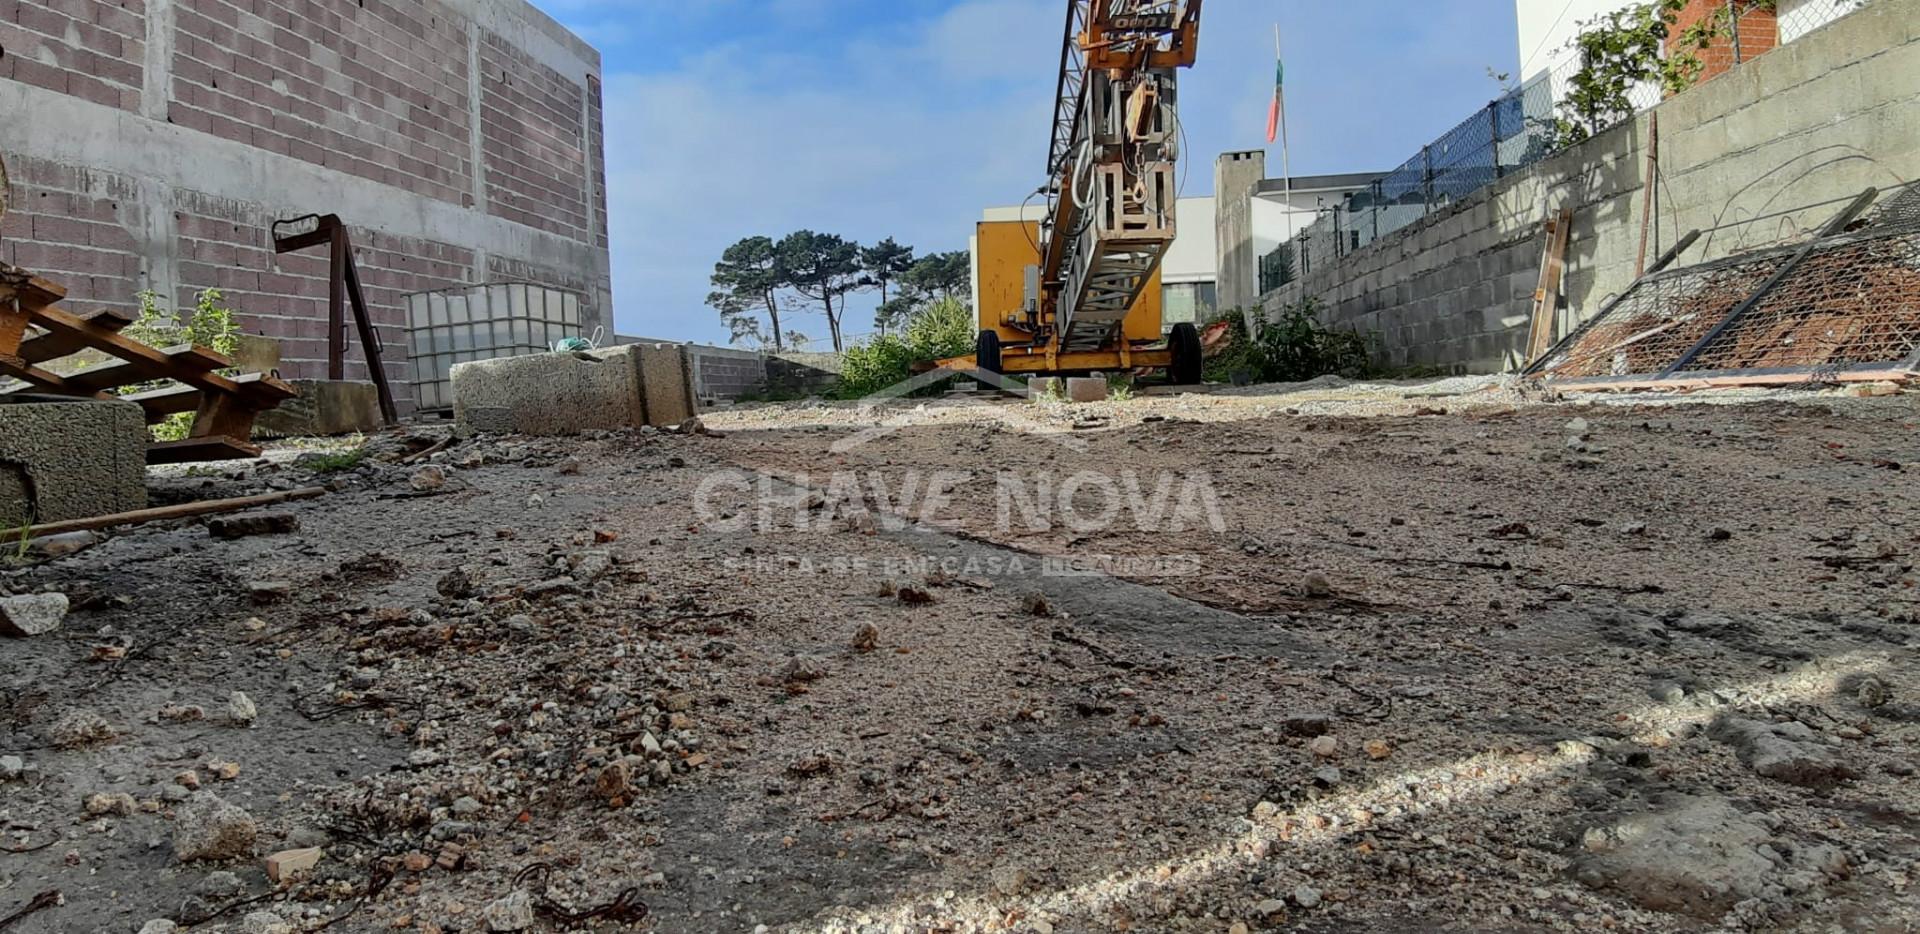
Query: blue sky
point(904, 118)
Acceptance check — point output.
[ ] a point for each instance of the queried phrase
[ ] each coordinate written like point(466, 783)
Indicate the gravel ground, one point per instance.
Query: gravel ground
point(1325, 657)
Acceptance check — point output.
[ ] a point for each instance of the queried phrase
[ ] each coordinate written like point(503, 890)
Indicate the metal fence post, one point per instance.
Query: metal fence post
point(1493, 118)
point(1376, 208)
point(1426, 174)
point(1733, 24)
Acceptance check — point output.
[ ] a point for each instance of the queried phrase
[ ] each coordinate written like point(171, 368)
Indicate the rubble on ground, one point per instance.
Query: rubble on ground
point(1442, 671)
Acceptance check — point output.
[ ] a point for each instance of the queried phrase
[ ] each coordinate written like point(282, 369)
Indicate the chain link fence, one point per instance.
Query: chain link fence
point(1524, 126)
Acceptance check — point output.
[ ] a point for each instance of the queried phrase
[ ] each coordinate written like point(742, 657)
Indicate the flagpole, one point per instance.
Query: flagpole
point(1286, 153)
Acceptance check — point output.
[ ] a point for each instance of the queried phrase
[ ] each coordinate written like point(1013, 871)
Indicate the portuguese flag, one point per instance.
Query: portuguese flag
point(1279, 97)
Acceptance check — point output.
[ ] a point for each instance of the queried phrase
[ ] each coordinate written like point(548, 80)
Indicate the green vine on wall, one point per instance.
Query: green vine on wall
point(1630, 47)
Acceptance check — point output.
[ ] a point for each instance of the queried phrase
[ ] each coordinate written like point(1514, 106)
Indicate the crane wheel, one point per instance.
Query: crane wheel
point(1187, 355)
point(986, 351)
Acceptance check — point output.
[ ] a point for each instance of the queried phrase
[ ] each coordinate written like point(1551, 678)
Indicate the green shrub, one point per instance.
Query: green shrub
point(1293, 348)
point(936, 330)
point(211, 325)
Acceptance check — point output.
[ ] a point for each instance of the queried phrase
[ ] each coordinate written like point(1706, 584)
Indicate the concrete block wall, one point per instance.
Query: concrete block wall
point(724, 373)
point(807, 373)
point(459, 139)
point(1817, 119)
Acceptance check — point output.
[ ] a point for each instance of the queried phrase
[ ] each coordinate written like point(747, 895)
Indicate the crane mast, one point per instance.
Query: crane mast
point(1110, 165)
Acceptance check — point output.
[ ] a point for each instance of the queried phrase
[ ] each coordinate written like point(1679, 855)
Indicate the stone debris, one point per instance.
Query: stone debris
point(287, 864)
point(34, 614)
point(265, 922)
point(208, 828)
point(63, 544)
point(1700, 857)
point(1787, 752)
point(801, 669)
point(428, 479)
point(513, 912)
point(1316, 585)
point(269, 592)
point(1307, 725)
point(241, 709)
point(118, 804)
point(866, 637)
point(79, 728)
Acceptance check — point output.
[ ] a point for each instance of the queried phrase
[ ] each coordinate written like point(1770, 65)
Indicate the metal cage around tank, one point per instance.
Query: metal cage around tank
point(482, 322)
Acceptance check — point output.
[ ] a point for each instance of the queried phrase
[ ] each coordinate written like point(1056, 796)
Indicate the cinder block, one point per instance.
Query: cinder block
point(1086, 389)
point(64, 460)
point(568, 393)
point(324, 407)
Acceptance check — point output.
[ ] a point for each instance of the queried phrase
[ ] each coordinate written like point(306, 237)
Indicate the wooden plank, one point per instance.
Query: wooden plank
point(161, 403)
point(44, 379)
point(51, 346)
point(13, 321)
point(187, 359)
point(193, 366)
point(1546, 297)
point(193, 450)
point(144, 360)
point(162, 513)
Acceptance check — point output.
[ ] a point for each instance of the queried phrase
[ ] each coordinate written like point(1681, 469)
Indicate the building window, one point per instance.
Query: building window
point(1189, 302)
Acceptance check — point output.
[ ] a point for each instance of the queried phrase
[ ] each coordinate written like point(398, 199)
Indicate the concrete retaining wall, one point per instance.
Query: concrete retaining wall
point(568, 393)
point(1815, 120)
point(70, 460)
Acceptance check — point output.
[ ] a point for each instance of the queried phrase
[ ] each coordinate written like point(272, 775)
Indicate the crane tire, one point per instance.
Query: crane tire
point(986, 351)
point(1187, 355)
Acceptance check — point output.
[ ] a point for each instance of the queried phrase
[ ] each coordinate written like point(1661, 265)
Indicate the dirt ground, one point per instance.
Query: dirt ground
point(1444, 656)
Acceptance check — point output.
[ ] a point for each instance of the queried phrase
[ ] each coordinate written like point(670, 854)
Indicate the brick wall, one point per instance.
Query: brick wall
point(242, 113)
point(377, 90)
point(597, 147)
point(1759, 33)
point(87, 48)
point(70, 224)
point(224, 244)
point(533, 140)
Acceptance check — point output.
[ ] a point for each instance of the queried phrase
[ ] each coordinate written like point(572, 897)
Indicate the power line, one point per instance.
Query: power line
point(1522, 76)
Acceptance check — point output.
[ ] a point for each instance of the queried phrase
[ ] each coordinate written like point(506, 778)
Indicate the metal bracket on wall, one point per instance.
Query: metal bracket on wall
point(343, 284)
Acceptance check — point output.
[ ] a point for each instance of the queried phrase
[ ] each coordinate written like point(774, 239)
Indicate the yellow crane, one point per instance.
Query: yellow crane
point(1079, 290)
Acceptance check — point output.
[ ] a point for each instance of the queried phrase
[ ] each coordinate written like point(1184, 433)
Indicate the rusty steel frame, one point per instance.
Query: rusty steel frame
point(343, 284)
point(1832, 228)
point(1841, 307)
point(1659, 265)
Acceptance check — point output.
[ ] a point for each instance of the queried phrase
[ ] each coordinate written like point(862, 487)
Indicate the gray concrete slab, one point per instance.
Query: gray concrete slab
point(70, 460)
